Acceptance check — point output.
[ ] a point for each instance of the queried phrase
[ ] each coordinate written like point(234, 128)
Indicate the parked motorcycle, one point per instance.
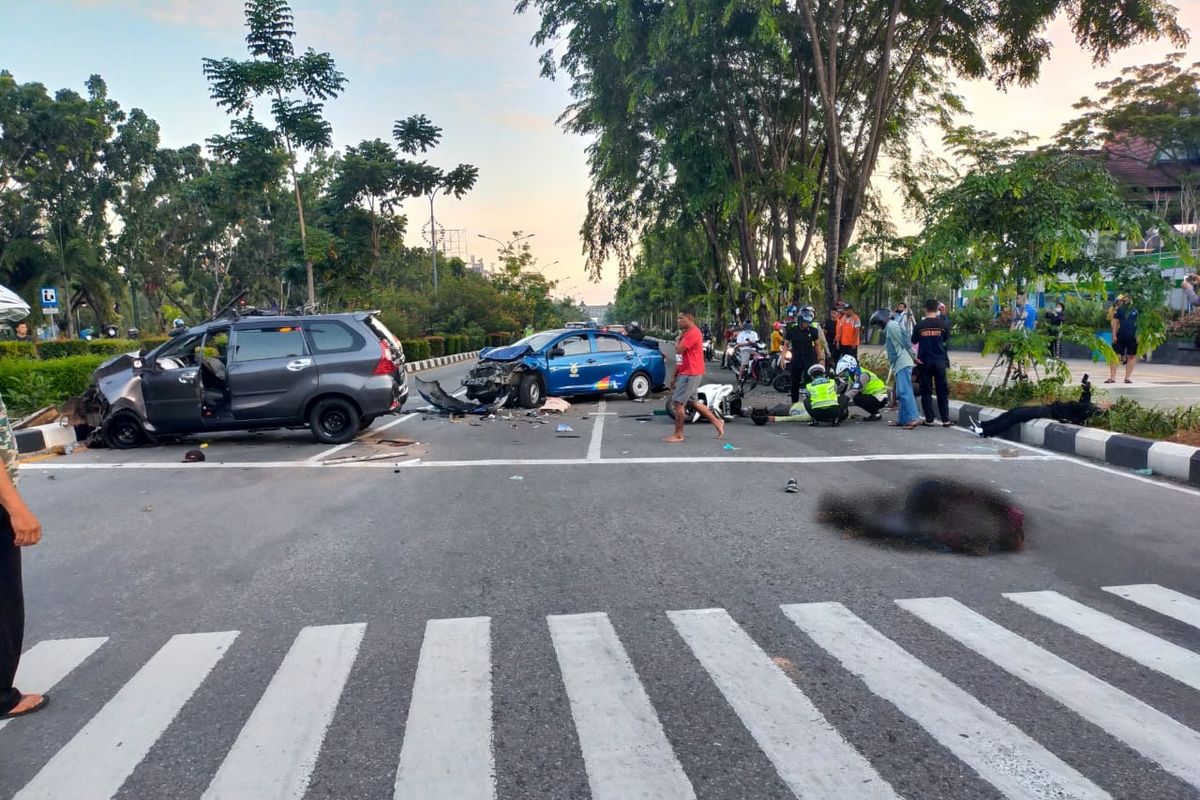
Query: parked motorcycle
point(710, 348)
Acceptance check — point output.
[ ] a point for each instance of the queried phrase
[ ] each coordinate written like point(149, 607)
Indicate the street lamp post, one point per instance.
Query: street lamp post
point(433, 239)
point(504, 245)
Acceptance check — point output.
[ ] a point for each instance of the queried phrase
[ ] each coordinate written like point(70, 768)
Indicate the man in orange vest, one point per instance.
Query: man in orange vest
point(847, 332)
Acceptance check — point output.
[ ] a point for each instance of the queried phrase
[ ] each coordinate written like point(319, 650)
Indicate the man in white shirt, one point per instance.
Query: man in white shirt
point(747, 335)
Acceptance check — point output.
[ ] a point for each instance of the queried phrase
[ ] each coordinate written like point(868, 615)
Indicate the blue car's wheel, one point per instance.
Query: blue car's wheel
point(530, 392)
point(639, 386)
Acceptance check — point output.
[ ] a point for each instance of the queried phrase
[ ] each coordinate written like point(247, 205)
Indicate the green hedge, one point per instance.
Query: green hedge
point(29, 385)
point(415, 349)
point(15, 349)
point(437, 346)
point(499, 339)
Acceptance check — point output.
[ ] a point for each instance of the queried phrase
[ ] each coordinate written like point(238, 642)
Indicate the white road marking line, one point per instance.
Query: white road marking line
point(1092, 465)
point(593, 451)
point(1168, 602)
point(68, 466)
point(324, 454)
point(276, 751)
point(46, 663)
point(809, 754)
point(447, 751)
point(1001, 753)
point(1146, 649)
point(625, 751)
point(1150, 732)
point(94, 764)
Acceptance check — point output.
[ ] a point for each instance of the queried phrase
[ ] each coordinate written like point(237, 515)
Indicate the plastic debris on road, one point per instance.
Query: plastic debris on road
point(517, 478)
point(730, 447)
point(1147, 472)
point(563, 428)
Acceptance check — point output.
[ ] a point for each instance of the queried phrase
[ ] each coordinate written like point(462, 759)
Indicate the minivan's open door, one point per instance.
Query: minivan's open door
point(172, 390)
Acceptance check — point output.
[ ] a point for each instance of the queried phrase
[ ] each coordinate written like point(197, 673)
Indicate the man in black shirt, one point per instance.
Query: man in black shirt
point(931, 335)
point(803, 342)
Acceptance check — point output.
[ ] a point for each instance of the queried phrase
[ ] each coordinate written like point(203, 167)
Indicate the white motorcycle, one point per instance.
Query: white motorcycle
point(722, 398)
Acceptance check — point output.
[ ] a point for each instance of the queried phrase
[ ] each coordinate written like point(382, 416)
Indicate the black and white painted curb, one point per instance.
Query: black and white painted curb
point(440, 361)
point(44, 437)
point(1168, 459)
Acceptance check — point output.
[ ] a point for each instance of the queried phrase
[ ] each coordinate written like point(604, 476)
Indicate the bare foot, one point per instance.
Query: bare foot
point(720, 426)
point(672, 439)
point(27, 704)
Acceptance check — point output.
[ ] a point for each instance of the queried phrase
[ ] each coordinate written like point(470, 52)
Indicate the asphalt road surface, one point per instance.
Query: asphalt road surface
point(475, 609)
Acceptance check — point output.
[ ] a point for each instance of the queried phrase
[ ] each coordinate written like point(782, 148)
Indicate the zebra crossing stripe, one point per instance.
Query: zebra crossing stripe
point(46, 663)
point(447, 752)
point(1146, 649)
point(811, 757)
point(625, 752)
point(1003, 755)
point(1150, 732)
point(1167, 602)
point(94, 764)
point(276, 751)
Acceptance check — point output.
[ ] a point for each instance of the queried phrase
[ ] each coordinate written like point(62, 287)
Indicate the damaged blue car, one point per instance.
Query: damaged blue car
point(566, 363)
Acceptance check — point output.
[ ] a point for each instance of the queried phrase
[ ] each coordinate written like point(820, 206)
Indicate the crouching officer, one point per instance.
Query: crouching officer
point(823, 402)
point(863, 388)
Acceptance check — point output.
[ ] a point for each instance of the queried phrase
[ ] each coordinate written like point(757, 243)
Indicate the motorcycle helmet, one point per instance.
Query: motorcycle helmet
point(132, 333)
point(808, 314)
point(111, 332)
point(816, 371)
point(747, 325)
point(778, 326)
point(87, 334)
point(881, 318)
point(846, 364)
point(178, 323)
point(792, 311)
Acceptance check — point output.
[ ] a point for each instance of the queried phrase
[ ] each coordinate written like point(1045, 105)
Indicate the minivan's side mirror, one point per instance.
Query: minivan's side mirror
point(557, 352)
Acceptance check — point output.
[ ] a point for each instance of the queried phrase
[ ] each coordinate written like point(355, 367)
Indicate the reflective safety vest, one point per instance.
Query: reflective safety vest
point(822, 393)
point(871, 384)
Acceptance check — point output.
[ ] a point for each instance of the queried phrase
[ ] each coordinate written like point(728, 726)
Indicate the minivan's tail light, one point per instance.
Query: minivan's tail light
point(385, 366)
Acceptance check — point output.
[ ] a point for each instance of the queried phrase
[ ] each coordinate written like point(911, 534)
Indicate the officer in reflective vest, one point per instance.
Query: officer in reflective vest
point(823, 402)
point(863, 388)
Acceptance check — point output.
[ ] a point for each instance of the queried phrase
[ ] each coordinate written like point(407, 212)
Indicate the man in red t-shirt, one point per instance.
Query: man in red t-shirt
point(690, 372)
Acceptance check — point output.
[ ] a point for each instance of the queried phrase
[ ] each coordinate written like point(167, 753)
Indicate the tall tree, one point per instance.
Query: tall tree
point(297, 86)
point(368, 173)
point(415, 135)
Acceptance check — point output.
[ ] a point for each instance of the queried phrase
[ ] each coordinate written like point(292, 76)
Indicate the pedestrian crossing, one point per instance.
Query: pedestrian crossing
point(447, 748)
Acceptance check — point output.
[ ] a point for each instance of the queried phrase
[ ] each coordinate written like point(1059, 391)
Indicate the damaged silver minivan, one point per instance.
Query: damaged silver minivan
point(332, 373)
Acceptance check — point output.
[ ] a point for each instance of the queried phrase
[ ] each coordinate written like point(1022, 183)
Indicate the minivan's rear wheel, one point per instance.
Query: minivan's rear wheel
point(123, 432)
point(639, 386)
point(531, 392)
point(333, 421)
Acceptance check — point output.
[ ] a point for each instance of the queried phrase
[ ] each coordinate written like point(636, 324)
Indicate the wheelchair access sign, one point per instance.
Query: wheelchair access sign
point(49, 300)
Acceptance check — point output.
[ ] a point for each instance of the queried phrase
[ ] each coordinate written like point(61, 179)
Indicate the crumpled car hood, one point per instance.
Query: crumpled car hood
point(510, 353)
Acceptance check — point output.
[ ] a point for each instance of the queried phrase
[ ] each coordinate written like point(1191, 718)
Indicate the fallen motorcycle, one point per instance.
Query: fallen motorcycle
point(722, 398)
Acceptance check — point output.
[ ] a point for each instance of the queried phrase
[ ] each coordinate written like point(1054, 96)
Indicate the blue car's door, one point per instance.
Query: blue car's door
point(614, 364)
point(567, 364)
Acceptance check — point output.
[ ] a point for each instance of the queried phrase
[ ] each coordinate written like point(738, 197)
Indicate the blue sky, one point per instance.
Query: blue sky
point(467, 64)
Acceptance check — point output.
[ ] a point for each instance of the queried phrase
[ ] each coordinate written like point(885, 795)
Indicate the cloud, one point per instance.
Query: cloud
point(466, 29)
point(211, 14)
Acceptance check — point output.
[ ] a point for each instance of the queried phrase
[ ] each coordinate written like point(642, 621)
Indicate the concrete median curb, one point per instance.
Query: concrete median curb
point(440, 361)
point(1168, 459)
point(44, 437)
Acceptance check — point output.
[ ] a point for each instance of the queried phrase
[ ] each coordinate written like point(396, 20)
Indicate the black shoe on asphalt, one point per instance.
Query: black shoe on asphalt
point(792, 487)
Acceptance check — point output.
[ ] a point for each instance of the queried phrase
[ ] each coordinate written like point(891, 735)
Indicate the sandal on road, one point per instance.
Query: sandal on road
point(38, 706)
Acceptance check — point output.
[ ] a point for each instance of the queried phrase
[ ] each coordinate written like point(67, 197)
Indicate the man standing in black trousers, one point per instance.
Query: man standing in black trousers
point(931, 336)
point(804, 343)
point(18, 528)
